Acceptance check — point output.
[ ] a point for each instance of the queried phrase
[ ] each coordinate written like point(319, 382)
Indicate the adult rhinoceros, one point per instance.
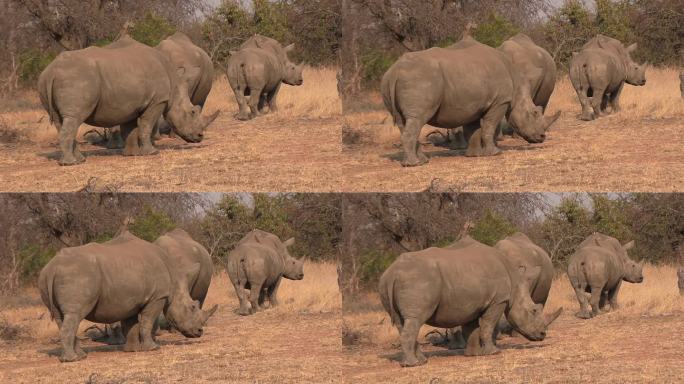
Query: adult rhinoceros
point(467, 84)
point(598, 266)
point(599, 72)
point(257, 73)
point(190, 265)
point(126, 83)
point(256, 266)
point(125, 279)
point(471, 286)
point(520, 250)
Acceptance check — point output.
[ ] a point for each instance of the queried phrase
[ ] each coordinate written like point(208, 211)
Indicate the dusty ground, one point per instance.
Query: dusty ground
point(640, 343)
point(294, 343)
point(297, 149)
point(639, 149)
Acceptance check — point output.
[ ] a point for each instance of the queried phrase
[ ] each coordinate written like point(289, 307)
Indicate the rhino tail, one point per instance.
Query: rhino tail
point(237, 72)
point(387, 296)
point(54, 313)
point(54, 116)
point(390, 98)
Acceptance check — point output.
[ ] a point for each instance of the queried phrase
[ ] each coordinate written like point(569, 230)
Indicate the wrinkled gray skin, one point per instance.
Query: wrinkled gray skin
point(599, 72)
point(197, 72)
point(520, 250)
point(470, 287)
point(467, 84)
point(256, 266)
point(191, 267)
point(124, 279)
point(598, 267)
point(126, 83)
point(256, 73)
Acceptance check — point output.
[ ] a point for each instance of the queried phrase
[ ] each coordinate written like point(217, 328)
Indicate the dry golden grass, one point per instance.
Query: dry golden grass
point(638, 149)
point(295, 342)
point(296, 149)
point(640, 343)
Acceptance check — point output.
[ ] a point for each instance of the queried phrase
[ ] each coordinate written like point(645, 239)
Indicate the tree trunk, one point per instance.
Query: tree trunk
point(349, 75)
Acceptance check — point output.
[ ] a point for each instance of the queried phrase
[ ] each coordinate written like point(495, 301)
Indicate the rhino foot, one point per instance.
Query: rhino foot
point(413, 362)
point(481, 152)
point(489, 350)
point(71, 160)
point(583, 315)
point(147, 151)
point(414, 162)
point(151, 346)
point(587, 117)
point(71, 357)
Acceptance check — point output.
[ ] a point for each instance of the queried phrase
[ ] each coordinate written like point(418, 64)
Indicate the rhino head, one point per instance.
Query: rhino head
point(293, 268)
point(184, 313)
point(525, 316)
point(527, 119)
point(186, 119)
point(635, 73)
point(293, 74)
point(633, 271)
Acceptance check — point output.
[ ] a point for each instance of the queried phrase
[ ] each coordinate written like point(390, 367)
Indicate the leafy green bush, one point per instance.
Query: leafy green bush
point(32, 63)
point(152, 29)
point(375, 64)
point(491, 228)
point(32, 259)
point(373, 264)
point(495, 31)
point(151, 224)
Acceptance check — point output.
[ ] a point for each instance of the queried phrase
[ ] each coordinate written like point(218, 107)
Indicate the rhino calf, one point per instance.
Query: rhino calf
point(598, 267)
point(469, 286)
point(256, 267)
point(123, 280)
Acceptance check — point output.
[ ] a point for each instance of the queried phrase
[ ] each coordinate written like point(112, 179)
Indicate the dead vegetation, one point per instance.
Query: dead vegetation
point(295, 342)
point(638, 343)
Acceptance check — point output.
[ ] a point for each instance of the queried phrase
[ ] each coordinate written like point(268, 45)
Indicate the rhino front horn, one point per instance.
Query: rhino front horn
point(548, 121)
point(209, 313)
point(550, 319)
point(210, 119)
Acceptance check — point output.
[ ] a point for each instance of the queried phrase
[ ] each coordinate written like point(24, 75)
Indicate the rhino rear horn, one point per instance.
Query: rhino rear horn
point(548, 121)
point(207, 314)
point(551, 318)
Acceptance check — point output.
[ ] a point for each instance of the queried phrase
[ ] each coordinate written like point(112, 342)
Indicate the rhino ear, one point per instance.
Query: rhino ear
point(597, 241)
point(575, 54)
point(632, 48)
point(628, 246)
point(289, 48)
point(232, 53)
point(289, 242)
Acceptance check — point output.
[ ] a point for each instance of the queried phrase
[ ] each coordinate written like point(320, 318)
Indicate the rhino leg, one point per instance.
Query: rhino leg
point(148, 317)
point(580, 292)
point(255, 99)
point(482, 142)
point(471, 333)
point(131, 329)
point(146, 125)
point(585, 102)
point(612, 297)
point(272, 99)
point(243, 113)
point(598, 98)
point(68, 326)
point(263, 108)
point(131, 136)
point(67, 142)
point(615, 99)
point(488, 322)
point(115, 140)
point(595, 300)
point(273, 293)
point(254, 295)
point(413, 156)
point(412, 356)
